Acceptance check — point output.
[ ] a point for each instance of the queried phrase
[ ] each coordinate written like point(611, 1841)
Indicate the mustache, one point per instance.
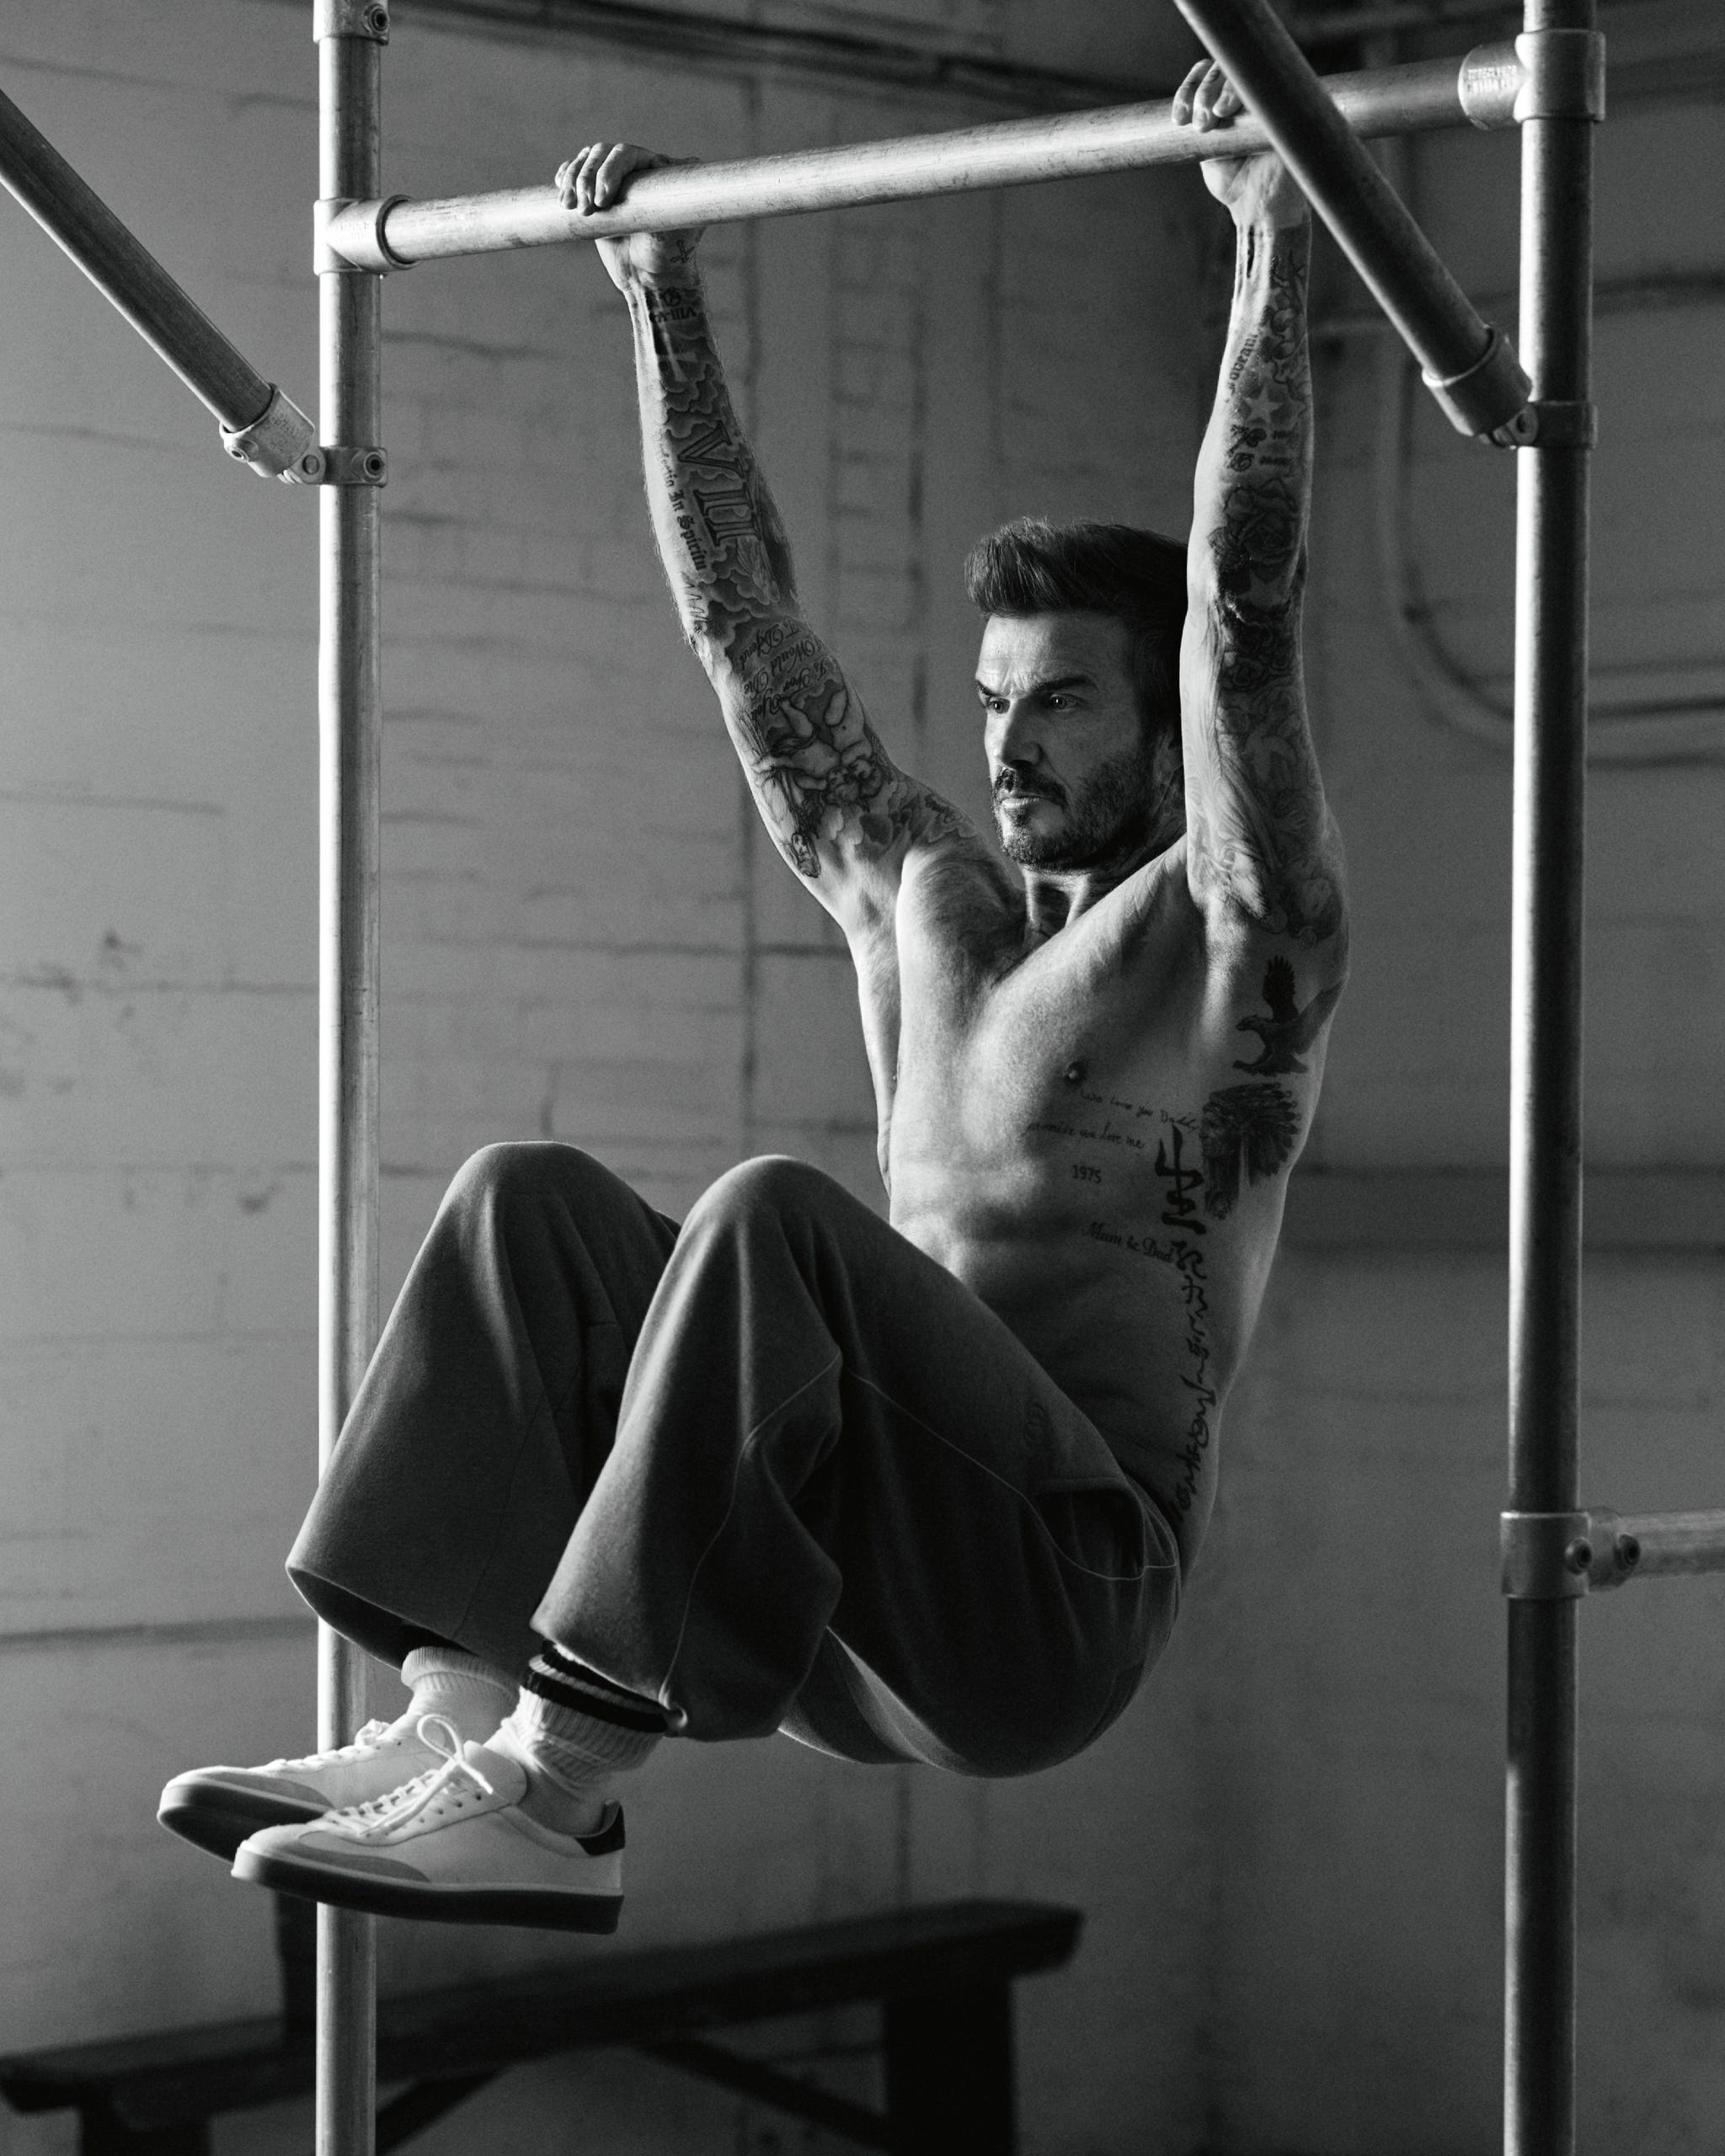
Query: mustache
point(1013, 783)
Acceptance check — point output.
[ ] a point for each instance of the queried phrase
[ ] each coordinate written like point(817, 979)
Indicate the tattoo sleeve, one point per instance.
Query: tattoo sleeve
point(830, 794)
point(1258, 830)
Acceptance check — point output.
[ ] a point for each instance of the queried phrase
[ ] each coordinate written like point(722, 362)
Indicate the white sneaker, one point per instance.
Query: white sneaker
point(453, 1845)
point(216, 1807)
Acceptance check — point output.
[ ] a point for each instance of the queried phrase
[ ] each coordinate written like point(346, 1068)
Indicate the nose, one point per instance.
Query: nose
point(1013, 735)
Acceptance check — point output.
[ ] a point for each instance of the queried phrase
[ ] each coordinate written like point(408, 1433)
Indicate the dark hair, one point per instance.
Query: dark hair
point(1032, 566)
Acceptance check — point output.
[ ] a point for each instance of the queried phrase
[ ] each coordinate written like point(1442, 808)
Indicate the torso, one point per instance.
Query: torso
point(1068, 1126)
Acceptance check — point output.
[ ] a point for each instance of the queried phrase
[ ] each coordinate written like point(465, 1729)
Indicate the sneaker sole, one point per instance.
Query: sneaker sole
point(541, 1907)
point(218, 1819)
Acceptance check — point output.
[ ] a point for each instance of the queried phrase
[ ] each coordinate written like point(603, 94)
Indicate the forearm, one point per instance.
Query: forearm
point(1254, 470)
point(1258, 831)
point(719, 535)
point(829, 794)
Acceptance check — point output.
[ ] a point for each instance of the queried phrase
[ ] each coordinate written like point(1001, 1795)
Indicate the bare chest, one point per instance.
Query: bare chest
point(1004, 1045)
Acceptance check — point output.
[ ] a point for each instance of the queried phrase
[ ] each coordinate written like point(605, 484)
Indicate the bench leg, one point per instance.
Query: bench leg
point(99, 2133)
point(949, 2083)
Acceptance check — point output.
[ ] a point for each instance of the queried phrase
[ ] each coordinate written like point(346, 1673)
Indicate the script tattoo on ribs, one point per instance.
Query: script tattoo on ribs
point(1260, 826)
point(816, 766)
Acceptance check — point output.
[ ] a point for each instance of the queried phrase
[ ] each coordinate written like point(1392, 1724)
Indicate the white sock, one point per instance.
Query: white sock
point(571, 1760)
point(473, 1694)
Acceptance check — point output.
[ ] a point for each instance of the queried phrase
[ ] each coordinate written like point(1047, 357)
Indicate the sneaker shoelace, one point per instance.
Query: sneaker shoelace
point(365, 1742)
point(454, 1780)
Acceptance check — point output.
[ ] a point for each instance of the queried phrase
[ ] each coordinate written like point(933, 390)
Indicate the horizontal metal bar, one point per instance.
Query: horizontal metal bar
point(1418, 97)
point(262, 427)
point(1653, 1545)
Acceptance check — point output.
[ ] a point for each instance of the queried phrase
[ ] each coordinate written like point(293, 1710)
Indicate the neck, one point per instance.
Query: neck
point(1054, 898)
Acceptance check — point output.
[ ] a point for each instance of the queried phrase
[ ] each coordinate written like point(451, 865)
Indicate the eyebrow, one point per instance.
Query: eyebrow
point(1048, 688)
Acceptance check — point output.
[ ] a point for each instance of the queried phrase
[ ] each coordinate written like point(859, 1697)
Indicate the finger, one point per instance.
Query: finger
point(592, 158)
point(1204, 103)
point(1228, 102)
point(1188, 86)
point(613, 175)
point(565, 180)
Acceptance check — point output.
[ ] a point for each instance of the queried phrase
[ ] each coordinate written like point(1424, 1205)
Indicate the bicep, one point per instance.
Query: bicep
point(1260, 834)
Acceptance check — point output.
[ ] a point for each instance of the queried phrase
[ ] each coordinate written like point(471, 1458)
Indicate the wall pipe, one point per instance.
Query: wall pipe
point(1655, 731)
point(350, 35)
point(1545, 1139)
point(1416, 97)
point(260, 425)
point(1468, 366)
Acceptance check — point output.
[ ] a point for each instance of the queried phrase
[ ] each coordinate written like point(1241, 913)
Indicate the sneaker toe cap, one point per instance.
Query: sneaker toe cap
point(310, 1845)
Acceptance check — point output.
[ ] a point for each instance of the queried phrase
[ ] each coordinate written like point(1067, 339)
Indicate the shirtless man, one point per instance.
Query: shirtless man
point(923, 1492)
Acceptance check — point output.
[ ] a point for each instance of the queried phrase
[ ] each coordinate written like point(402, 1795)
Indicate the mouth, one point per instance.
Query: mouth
point(1011, 792)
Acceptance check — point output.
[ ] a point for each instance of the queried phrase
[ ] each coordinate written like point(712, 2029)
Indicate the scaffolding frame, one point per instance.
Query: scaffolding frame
point(1550, 84)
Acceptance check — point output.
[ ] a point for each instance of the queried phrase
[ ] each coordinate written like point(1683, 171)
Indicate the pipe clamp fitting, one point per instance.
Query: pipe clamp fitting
point(280, 443)
point(1551, 423)
point(1488, 83)
point(1486, 396)
point(1616, 1553)
point(347, 237)
point(1547, 1555)
point(367, 18)
point(1564, 75)
point(349, 466)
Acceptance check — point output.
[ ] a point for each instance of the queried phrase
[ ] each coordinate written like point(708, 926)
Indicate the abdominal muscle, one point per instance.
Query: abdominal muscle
point(1040, 1144)
point(1130, 1320)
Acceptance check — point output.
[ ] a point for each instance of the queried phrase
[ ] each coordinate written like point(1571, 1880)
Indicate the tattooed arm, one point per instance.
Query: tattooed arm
point(1260, 837)
point(839, 809)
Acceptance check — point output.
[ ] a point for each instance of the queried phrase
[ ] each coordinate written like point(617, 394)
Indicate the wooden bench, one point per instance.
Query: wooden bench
point(942, 1975)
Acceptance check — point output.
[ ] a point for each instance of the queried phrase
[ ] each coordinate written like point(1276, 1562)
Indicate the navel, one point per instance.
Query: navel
point(1074, 1072)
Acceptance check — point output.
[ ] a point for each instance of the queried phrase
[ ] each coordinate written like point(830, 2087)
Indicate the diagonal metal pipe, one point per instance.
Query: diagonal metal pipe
point(260, 425)
point(1468, 366)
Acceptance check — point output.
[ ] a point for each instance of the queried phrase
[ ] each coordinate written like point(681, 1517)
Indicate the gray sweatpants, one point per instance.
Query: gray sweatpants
point(778, 1470)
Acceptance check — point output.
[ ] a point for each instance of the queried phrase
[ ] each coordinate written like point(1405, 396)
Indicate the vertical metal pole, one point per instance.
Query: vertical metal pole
point(350, 706)
point(1545, 1257)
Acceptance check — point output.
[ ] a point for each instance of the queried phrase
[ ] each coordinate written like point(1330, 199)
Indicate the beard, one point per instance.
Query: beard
point(1109, 816)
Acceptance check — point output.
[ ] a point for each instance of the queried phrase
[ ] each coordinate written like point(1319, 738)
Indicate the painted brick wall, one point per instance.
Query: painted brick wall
point(584, 937)
point(1289, 1849)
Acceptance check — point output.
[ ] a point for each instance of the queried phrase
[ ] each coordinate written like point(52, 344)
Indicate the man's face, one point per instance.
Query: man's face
point(1075, 781)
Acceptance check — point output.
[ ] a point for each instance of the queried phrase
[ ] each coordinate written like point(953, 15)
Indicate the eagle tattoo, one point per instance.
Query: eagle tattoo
point(1287, 1035)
